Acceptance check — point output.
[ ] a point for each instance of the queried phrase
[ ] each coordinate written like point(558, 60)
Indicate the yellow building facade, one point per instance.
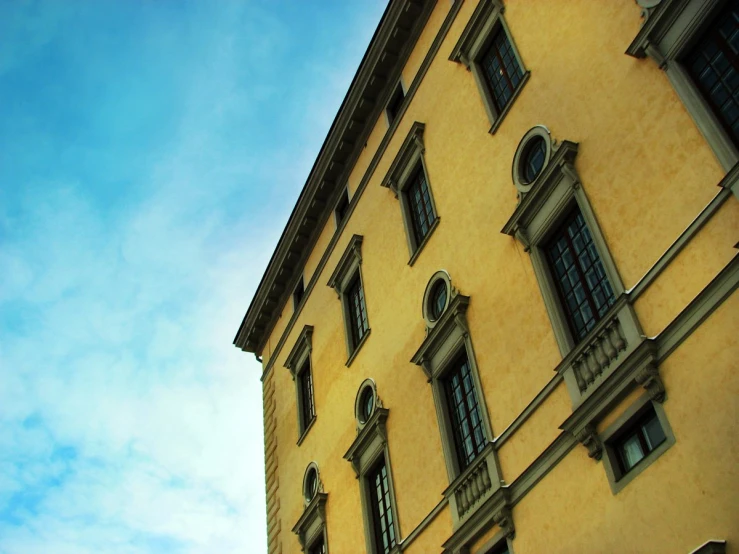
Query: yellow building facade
point(502, 316)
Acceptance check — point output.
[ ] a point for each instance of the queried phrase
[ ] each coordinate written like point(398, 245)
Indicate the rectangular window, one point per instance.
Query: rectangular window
point(419, 203)
point(501, 69)
point(307, 406)
point(469, 435)
point(298, 293)
point(393, 106)
point(579, 275)
point(318, 547)
point(342, 207)
point(357, 311)
point(713, 64)
point(382, 512)
point(638, 441)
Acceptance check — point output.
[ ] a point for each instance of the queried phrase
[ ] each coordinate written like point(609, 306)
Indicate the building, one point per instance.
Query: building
point(502, 315)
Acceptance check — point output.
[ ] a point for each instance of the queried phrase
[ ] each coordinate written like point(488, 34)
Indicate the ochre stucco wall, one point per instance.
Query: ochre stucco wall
point(647, 172)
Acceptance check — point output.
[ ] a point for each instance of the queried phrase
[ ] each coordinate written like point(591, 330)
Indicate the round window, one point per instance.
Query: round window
point(533, 158)
point(437, 299)
point(366, 404)
point(311, 484)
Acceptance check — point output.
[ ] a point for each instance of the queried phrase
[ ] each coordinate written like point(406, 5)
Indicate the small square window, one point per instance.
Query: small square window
point(298, 293)
point(634, 441)
point(639, 440)
point(342, 207)
point(394, 104)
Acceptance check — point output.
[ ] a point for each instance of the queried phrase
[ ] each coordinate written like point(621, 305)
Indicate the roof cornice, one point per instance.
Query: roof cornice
point(397, 33)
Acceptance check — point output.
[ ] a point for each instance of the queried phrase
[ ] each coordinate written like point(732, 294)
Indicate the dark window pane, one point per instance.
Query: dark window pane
point(299, 293)
point(533, 159)
point(382, 516)
point(305, 382)
point(318, 547)
point(578, 271)
point(342, 206)
point(469, 436)
point(419, 203)
point(713, 64)
point(638, 440)
point(437, 299)
point(396, 100)
point(357, 311)
point(501, 69)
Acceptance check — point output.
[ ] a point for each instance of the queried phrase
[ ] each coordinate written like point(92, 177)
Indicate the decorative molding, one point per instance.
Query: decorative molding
point(302, 348)
point(648, 377)
point(389, 49)
point(728, 184)
point(476, 26)
point(588, 437)
point(670, 28)
point(700, 308)
point(711, 547)
point(312, 521)
point(495, 509)
point(411, 149)
point(369, 173)
point(350, 259)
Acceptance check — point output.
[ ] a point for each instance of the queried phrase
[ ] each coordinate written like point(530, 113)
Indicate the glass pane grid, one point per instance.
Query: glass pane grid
point(469, 437)
point(308, 411)
point(501, 69)
point(580, 276)
point(713, 64)
point(383, 514)
point(357, 311)
point(422, 212)
point(637, 442)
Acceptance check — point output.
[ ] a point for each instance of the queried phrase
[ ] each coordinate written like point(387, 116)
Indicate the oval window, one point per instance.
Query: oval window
point(311, 484)
point(366, 405)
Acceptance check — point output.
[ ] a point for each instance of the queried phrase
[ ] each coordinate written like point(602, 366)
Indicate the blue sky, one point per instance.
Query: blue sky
point(150, 154)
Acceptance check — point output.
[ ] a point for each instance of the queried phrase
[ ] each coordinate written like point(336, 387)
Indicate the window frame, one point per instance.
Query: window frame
point(296, 362)
point(668, 33)
point(342, 207)
point(391, 116)
point(311, 526)
point(444, 343)
point(543, 206)
point(348, 270)
point(299, 294)
point(486, 21)
point(618, 479)
point(366, 452)
point(407, 164)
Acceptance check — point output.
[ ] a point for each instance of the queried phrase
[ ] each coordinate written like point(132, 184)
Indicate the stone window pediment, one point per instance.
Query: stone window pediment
point(311, 526)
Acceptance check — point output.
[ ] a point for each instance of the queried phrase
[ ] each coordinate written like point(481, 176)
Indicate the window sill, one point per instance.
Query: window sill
point(305, 431)
point(358, 347)
point(516, 93)
point(425, 240)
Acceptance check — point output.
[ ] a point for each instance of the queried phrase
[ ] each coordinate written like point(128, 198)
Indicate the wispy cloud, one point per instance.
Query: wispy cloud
point(149, 155)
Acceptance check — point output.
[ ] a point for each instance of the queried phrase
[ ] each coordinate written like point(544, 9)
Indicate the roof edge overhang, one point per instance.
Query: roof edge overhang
point(389, 48)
